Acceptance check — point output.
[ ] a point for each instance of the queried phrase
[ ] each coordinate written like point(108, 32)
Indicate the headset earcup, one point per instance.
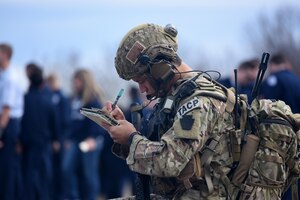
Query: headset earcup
point(162, 71)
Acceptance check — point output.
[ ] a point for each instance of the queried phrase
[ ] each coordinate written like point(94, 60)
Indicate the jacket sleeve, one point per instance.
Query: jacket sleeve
point(169, 156)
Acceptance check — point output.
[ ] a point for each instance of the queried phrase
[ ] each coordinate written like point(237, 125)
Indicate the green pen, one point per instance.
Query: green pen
point(117, 99)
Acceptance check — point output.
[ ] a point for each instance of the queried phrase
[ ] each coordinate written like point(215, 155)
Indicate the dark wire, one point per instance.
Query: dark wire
point(202, 72)
point(178, 72)
point(144, 104)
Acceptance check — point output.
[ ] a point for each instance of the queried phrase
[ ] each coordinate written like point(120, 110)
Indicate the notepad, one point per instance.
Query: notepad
point(99, 116)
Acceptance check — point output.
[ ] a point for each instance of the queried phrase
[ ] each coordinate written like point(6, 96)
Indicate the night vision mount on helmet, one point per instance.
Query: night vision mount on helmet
point(148, 49)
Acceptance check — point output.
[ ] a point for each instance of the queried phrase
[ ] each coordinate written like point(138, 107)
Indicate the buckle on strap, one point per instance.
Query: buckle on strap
point(211, 144)
point(247, 188)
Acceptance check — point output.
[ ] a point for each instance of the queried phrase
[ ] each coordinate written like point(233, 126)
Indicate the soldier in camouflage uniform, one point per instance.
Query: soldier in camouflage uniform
point(191, 158)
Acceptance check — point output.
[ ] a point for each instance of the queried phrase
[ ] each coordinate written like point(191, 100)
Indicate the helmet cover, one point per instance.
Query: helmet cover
point(146, 39)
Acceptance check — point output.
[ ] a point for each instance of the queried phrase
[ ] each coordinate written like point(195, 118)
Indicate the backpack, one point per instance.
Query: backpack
point(264, 148)
point(270, 146)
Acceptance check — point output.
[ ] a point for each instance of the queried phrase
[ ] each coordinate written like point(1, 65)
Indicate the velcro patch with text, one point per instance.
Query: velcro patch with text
point(135, 51)
point(188, 106)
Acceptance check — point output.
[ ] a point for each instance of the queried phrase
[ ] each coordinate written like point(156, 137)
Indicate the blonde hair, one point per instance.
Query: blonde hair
point(90, 89)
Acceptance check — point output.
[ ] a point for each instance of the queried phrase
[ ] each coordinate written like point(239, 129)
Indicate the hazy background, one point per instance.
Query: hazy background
point(67, 34)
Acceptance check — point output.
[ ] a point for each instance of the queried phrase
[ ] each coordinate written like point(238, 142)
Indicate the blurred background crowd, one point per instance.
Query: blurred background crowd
point(48, 150)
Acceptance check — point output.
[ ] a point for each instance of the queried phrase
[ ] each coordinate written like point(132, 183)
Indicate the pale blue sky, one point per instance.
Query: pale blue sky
point(49, 30)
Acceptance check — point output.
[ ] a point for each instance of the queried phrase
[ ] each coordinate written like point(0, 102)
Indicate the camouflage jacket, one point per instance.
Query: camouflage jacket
point(175, 162)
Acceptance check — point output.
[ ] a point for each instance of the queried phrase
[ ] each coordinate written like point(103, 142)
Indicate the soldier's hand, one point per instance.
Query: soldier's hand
point(120, 134)
point(116, 113)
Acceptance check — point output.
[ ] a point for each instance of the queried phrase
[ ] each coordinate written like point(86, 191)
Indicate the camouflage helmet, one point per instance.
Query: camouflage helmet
point(146, 39)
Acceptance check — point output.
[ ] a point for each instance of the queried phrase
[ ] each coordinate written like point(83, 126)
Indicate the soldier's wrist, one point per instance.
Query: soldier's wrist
point(131, 136)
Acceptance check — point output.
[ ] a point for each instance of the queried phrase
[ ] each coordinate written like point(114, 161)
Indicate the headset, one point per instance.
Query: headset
point(160, 69)
point(159, 58)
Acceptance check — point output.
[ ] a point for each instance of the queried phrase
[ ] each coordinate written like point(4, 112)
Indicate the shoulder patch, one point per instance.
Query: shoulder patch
point(187, 122)
point(188, 106)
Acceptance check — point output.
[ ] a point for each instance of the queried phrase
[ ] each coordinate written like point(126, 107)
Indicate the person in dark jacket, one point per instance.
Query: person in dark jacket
point(83, 144)
point(247, 72)
point(246, 75)
point(62, 106)
point(38, 131)
point(282, 83)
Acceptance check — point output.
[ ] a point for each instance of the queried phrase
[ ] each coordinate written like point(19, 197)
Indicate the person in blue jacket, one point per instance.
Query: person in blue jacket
point(83, 144)
point(227, 81)
point(282, 83)
point(38, 131)
point(246, 75)
point(62, 105)
point(247, 72)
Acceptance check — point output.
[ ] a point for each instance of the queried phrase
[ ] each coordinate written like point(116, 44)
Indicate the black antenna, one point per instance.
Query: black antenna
point(236, 100)
point(260, 75)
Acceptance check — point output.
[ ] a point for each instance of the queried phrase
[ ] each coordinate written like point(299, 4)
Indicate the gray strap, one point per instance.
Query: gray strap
point(206, 158)
point(294, 189)
point(207, 176)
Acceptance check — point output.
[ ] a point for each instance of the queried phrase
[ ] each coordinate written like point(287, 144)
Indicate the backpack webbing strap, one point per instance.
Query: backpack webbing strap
point(197, 165)
point(235, 144)
point(269, 158)
point(244, 114)
point(232, 191)
point(276, 121)
point(207, 174)
point(228, 98)
point(230, 101)
point(208, 151)
point(291, 163)
point(273, 146)
point(247, 188)
point(277, 136)
point(294, 189)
